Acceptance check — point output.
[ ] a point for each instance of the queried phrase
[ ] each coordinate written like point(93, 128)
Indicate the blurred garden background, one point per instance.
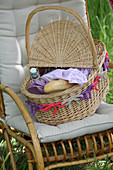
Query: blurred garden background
point(101, 21)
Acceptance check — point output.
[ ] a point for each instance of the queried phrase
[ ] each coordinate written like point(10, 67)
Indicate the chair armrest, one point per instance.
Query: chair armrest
point(26, 116)
point(19, 103)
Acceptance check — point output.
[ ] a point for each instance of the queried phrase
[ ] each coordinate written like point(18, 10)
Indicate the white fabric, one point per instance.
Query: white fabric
point(13, 58)
point(101, 120)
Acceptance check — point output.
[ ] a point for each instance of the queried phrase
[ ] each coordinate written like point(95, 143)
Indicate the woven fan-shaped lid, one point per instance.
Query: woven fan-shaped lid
point(61, 43)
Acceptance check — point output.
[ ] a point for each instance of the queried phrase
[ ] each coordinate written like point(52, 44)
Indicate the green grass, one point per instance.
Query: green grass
point(101, 20)
point(19, 154)
point(3, 164)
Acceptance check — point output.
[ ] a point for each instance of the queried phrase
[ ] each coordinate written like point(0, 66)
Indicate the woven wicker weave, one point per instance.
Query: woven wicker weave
point(60, 40)
point(61, 44)
point(71, 45)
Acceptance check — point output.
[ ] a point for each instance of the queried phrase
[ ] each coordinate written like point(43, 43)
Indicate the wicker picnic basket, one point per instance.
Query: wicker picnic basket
point(66, 44)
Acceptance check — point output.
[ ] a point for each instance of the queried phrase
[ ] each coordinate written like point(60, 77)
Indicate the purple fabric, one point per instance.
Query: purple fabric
point(85, 71)
point(35, 90)
point(38, 86)
point(73, 75)
point(42, 81)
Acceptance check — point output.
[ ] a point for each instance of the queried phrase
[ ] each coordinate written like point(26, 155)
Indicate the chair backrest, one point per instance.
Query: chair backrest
point(13, 58)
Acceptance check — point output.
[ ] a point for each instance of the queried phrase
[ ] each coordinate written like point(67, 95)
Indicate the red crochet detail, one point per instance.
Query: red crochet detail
point(95, 83)
point(111, 2)
point(49, 106)
point(106, 56)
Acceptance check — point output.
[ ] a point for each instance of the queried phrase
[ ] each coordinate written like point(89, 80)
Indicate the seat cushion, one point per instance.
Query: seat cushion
point(101, 120)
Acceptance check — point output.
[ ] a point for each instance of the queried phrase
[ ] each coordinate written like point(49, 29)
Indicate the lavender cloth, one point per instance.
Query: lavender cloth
point(73, 75)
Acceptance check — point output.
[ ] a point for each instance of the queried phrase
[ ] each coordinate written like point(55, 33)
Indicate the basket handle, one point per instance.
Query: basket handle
point(75, 14)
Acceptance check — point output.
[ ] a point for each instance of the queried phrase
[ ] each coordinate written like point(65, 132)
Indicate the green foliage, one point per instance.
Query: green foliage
point(3, 165)
point(98, 165)
point(101, 20)
point(19, 154)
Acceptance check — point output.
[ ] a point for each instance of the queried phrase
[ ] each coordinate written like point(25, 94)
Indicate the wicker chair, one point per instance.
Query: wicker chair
point(58, 153)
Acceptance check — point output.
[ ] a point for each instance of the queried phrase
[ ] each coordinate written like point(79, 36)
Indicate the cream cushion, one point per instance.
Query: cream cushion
point(101, 120)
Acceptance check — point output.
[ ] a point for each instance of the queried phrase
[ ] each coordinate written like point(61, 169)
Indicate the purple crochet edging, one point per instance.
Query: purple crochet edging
point(105, 66)
point(85, 93)
point(35, 106)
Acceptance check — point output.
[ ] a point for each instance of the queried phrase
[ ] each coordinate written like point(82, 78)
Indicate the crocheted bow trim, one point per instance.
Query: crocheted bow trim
point(34, 107)
point(106, 62)
point(95, 83)
point(68, 101)
point(85, 93)
point(54, 105)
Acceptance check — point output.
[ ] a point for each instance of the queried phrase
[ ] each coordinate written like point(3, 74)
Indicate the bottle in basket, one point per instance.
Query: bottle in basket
point(34, 74)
